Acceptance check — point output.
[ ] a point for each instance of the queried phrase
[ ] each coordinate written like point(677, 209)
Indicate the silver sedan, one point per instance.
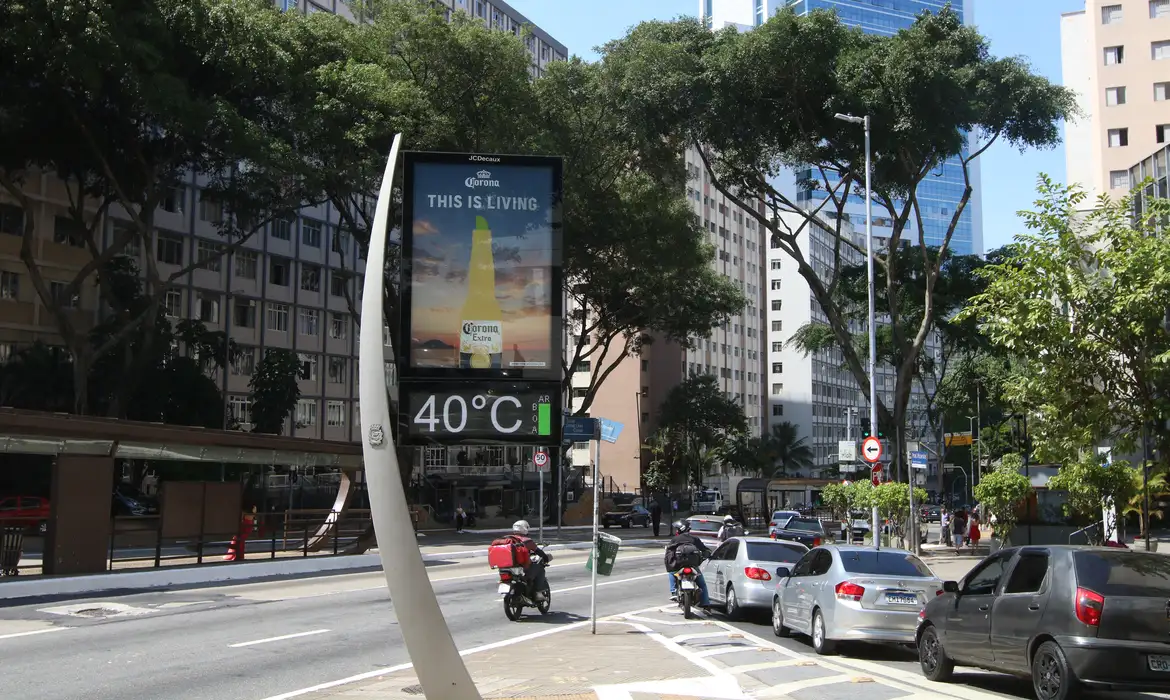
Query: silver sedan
point(741, 572)
point(853, 593)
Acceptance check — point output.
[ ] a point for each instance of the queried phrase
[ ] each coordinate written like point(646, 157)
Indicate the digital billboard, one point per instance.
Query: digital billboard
point(481, 250)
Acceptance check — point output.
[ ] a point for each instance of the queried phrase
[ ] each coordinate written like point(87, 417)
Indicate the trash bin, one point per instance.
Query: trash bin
point(607, 546)
point(11, 546)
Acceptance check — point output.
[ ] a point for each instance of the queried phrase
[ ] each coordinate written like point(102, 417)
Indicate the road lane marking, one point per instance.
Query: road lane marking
point(466, 652)
point(282, 637)
point(606, 583)
point(32, 632)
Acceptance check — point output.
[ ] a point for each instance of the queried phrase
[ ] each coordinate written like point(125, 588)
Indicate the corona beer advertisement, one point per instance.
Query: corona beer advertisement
point(482, 279)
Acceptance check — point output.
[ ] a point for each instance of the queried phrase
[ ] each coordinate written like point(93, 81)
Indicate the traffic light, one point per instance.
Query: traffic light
point(866, 432)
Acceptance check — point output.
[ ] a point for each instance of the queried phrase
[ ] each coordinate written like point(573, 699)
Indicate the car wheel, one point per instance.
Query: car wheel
point(1052, 677)
point(731, 605)
point(778, 627)
point(932, 657)
point(822, 645)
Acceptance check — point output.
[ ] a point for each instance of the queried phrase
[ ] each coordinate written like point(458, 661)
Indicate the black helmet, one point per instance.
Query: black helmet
point(681, 526)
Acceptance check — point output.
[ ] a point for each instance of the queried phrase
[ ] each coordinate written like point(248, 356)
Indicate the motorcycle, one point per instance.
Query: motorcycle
point(514, 586)
point(687, 589)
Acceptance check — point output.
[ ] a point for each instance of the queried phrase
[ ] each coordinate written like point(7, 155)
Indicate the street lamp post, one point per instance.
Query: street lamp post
point(873, 422)
point(974, 462)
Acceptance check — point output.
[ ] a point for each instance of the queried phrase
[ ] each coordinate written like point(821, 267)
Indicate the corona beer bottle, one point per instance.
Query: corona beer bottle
point(481, 332)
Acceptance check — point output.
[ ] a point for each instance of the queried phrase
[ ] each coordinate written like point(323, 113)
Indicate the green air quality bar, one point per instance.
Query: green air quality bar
point(544, 418)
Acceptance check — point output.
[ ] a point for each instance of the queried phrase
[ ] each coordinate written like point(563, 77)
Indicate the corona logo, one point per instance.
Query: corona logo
point(481, 179)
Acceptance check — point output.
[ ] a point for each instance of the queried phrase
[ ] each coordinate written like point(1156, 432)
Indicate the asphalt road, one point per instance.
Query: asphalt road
point(179, 645)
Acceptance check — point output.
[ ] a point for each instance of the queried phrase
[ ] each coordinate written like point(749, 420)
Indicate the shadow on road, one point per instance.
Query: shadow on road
point(552, 618)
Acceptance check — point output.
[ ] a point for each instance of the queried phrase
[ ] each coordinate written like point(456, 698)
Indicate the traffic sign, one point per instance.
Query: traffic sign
point(846, 451)
point(875, 474)
point(918, 459)
point(580, 429)
point(540, 459)
point(871, 449)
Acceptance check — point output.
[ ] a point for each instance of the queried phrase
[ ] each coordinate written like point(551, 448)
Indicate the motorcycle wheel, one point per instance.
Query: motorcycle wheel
point(512, 608)
point(543, 606)
point(685, 599)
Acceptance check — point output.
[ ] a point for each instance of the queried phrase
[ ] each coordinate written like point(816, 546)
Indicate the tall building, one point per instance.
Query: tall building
point(285, 288)
point(1116, 55)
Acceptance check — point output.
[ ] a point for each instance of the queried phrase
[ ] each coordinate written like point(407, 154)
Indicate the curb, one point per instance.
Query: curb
point(11, 592)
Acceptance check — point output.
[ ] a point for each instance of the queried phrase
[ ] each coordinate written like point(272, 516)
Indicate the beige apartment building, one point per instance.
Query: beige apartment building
point(1116, 56)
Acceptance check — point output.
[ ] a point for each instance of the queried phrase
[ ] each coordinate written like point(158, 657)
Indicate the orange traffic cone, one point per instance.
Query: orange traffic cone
point(235, 549)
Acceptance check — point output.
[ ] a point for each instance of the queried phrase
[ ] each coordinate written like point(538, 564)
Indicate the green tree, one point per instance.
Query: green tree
point(786, 450)
point(274, 390)
point(1001, 493)
point(1084, 299)
point(698, 408)
point(748, 454)
point(844, 499)
point(893, 502)
point(1090, 485)
point(924, 88)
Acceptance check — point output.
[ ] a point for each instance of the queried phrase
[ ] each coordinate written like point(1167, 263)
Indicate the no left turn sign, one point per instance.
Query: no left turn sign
point(871, 450)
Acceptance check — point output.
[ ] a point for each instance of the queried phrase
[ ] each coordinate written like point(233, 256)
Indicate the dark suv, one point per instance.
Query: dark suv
point(1067, 616)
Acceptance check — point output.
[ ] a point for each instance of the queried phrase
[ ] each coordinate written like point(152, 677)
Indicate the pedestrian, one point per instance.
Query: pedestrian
point(460, 519)
point(959, 528)
point(655, 515)
point(944, 526)
point(973, 533)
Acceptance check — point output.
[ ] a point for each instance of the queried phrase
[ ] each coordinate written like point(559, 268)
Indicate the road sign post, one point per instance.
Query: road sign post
point(540, 461)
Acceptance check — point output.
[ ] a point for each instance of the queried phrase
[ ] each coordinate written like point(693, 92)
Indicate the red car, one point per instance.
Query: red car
point(30, 511)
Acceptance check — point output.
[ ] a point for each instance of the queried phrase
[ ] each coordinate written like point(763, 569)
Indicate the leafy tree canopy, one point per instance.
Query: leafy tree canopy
point(275, 391)
point(1001, 493)
point(699, 408)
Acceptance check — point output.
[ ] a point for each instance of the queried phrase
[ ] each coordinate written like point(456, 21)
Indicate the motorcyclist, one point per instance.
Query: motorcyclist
point(730, 529)
point(534, 573)
point(682, 538)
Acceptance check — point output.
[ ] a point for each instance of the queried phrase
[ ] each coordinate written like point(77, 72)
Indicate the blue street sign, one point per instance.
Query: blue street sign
point(579, 429)
point(610, 429)
point(918, 460)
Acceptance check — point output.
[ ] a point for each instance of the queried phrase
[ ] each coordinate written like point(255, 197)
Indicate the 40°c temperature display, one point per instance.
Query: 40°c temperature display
point(476, 413)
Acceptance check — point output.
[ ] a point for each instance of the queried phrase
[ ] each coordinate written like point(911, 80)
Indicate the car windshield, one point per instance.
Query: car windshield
point(774, 551)
point(876, 563)
point(705, 525)
point(623, 509)
point(804, 525)
point(1124, 573)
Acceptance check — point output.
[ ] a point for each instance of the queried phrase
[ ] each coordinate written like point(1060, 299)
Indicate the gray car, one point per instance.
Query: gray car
point(741, 572)
point(853, 593)
point(1070, 617)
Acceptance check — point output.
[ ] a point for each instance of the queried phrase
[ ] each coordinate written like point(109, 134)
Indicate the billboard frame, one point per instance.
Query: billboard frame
point(554, 372)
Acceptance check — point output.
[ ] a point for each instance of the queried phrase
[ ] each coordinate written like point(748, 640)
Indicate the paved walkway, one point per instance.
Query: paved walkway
point(655, 654)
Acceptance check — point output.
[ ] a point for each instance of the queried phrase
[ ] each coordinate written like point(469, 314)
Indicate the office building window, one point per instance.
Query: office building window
point(208, 307)
point(777, 368)
point(282, 229)
point(340, 241)
point(1110, 14)
point(246, 264)
point(57, 293)
point(209, 255)
point(335, 413)
point(338, 370)
point(170, 249)
point(174, 199)
point(1118, 138)
point(777, 304)
point(245, 362)
point(1114, 55)
point(209, 209)
point(309, 322)
point(173, 303)
point(277, 317)
point(244, 313)
point(1114, 96)
point(775, 284)
point(306, 413)
point(1161, 133)
point(241, 409)
point(582, 366)
point(1160, 50)
point(9, 285)
point(338, 325)
point(1118, 179)
point(777, 346)
point(775, 264)
point(1159, 9)
point(11, 219)
point(311, 233)
point(1161, 92)
point(278, 272)
point(69, 231)
point(308, 366)
point(777, 409)
point(645, 365)
point(338, 283)
point(777, 325)
point(777, 387)
point(310, 278)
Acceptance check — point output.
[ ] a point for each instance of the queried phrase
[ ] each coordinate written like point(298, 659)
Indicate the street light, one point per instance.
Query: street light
point(873, 422)
point(971, 484)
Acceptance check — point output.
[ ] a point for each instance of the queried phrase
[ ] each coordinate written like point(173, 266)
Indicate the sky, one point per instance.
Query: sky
point(1026, 28)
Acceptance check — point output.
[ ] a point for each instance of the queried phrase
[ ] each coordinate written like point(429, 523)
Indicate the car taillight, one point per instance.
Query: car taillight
point(816, 542)
point(938, 593)
point(922, 614)
point(688, 571)
point(773, 535)
point(849, 591)
point(1089, 606)
point(757, 574)
point(772, 524)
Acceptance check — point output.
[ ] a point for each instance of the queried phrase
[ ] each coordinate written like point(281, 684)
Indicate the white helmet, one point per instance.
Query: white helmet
point(728, 519)
point(520, 527)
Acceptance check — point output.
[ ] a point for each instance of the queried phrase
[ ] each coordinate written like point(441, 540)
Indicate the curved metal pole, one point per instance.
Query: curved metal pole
point(436, 659)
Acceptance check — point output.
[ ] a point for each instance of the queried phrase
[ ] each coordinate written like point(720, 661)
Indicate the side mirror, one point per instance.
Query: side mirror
point(746, 533)
point(783, 572)
point(950, 586)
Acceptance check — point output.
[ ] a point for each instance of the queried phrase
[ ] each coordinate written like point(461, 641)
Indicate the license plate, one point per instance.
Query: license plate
point(901, 599)
point(688, 585)
point(505, 588)
point(1159, 663)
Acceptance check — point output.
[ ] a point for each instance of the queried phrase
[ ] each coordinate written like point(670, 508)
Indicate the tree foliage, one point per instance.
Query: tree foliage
point(698, 408)
point(1091, 484)
point(1001, 493)
point(274, 390)
point(925, 89)
point(1084, 297)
